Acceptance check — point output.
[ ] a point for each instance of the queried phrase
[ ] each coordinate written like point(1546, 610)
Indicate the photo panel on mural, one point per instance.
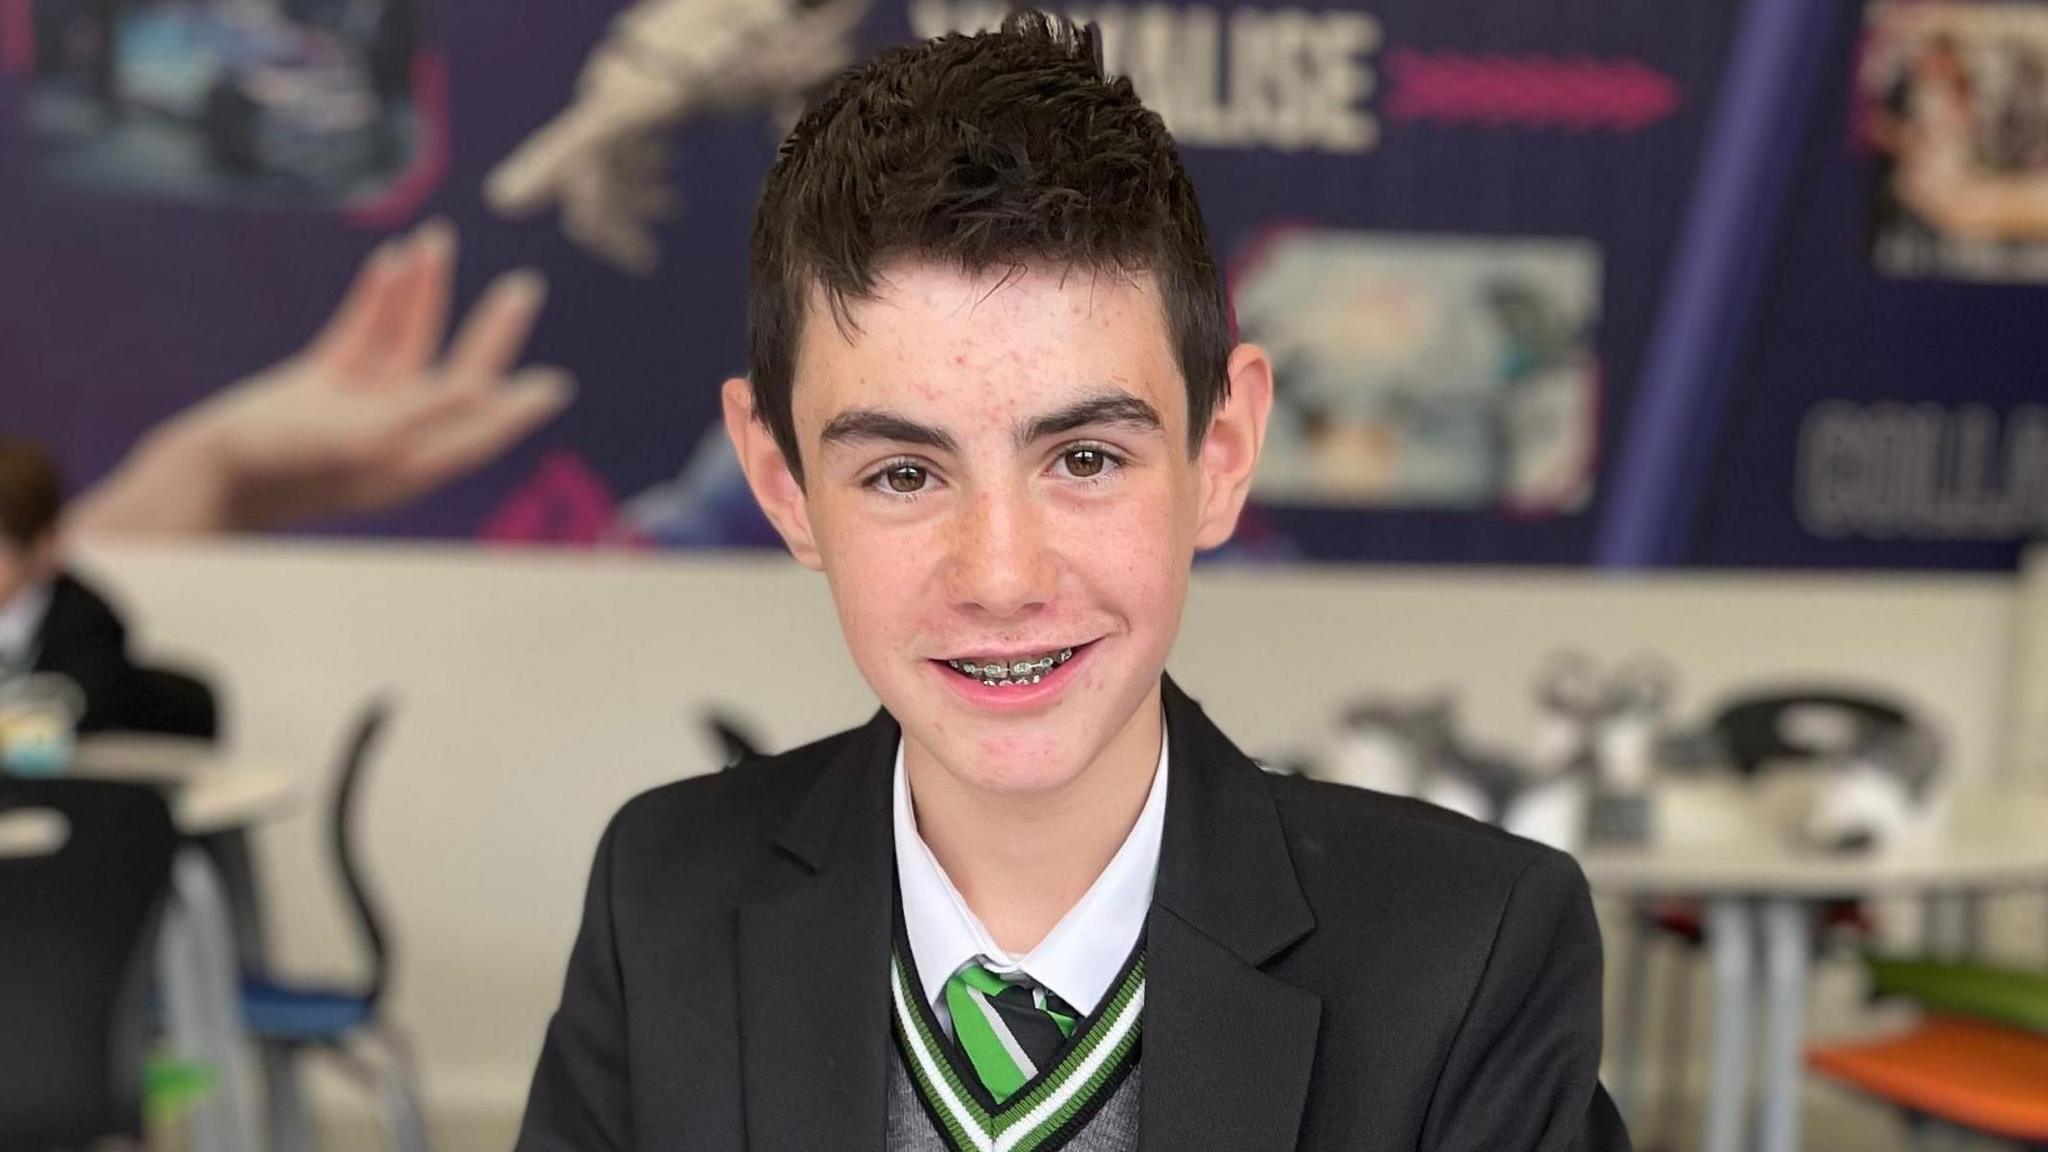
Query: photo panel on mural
point(304, 102)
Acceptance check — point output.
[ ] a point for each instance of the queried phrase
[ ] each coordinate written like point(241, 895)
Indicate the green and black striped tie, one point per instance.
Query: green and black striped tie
point(1009, 1030)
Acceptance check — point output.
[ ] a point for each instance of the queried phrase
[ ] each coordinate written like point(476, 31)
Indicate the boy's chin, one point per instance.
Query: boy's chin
point(1009, 780)
point(1006, 766)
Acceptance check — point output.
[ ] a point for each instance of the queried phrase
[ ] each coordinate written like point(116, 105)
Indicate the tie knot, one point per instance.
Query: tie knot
point(1009, 1027)
point(1016, 988)
point(980, 977)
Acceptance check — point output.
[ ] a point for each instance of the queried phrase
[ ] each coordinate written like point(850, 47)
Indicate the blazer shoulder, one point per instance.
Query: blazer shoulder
point(76, 607)
point(729, 815)
point(1339, 833)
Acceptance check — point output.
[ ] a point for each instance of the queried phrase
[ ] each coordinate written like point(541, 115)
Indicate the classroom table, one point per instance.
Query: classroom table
point(1762, 896)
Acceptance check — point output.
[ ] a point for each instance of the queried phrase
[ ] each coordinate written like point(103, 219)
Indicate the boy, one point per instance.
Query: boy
point(1039, 901)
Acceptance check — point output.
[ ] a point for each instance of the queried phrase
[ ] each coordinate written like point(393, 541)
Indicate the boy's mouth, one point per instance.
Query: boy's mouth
point(1011, 671)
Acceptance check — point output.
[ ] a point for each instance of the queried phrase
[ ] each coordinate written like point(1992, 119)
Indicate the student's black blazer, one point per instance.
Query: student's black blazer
point(1327, 968)
point(81, 638)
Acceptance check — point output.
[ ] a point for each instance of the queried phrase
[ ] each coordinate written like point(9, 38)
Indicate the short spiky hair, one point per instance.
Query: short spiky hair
point(1003, 150)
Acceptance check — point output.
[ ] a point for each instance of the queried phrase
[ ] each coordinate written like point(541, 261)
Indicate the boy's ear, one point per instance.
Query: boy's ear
point(768, 472)
point(1230, 452)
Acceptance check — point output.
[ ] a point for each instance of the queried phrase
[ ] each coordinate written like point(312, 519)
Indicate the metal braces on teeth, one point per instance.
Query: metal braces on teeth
point(1014, 673)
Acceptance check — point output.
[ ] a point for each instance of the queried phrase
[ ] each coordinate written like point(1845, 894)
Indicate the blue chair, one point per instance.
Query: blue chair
point(289, 1020)
point(77, 916)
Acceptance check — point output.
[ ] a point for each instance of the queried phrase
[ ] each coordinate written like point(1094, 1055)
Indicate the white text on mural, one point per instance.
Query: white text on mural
point(1289, 79)
point(1924, 471)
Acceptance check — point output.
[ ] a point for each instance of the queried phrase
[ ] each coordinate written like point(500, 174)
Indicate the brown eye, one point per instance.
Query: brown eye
point(905, 478)
point(1083, 463)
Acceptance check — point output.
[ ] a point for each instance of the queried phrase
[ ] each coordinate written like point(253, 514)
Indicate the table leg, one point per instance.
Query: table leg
point(284, 1106)
point(1953, 926)
point(1970, 909)
point(1634, 995)
point(1934, 920)
point(196, 963)
point(1788, 957)
point(234, 857)
point(1732, 940)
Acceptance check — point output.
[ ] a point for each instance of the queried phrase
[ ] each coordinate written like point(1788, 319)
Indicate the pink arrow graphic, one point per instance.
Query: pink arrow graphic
point(17, 38)
point(565, 501)
point(1575, 93)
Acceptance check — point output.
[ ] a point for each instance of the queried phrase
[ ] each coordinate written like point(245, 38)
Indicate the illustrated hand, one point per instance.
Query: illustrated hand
point(369, 416)
point(604, 159)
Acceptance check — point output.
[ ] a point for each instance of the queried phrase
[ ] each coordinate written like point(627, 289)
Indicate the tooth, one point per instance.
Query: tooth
point(1066, 654)
point(1034, 679)
point(970, 669)
point(1020, 667)
point(1043, 664)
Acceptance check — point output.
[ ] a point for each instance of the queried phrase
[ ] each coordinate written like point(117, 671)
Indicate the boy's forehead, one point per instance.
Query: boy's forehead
point(926, 330)
point(932, 290)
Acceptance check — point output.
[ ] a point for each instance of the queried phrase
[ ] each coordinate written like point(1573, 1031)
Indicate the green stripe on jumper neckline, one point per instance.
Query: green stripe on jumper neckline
point(1029, 1120)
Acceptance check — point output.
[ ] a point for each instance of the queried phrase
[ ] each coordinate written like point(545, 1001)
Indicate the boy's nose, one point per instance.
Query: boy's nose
point(1000, 563)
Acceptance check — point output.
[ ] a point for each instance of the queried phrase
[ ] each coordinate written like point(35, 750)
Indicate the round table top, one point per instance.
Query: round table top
point(1989, 841)
point(210, 791)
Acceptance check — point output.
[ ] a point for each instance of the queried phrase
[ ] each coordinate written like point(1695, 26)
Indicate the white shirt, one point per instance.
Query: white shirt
point(20, 619)
point(1084, 953)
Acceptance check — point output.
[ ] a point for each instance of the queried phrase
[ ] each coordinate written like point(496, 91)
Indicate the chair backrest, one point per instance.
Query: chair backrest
point(342, 812)
point(75, 927)
point(1752, 729)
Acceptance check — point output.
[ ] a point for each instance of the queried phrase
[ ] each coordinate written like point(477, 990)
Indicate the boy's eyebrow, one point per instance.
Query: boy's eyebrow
point(877, 424)
point(858, 424)
point(1105, 408)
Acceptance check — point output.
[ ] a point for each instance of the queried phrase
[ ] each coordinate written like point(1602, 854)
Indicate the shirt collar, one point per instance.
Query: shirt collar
point(1084, 953)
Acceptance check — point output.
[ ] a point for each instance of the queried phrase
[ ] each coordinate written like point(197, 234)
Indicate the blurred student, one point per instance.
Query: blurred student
point(51, 622)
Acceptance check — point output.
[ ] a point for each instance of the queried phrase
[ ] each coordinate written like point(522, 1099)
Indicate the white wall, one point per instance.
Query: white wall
point(538, 691)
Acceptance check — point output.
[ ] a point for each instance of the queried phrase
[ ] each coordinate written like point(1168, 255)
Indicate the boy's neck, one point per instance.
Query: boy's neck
point(1022, 861)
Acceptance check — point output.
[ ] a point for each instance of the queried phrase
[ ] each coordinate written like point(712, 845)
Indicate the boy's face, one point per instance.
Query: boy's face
point(997, 473)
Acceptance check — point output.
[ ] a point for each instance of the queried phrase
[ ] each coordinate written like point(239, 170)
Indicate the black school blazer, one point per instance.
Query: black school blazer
point(1328, 968)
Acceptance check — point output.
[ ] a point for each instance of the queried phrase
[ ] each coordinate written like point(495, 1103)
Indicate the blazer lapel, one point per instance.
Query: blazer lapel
point(1228, 1048)
point(814, 965)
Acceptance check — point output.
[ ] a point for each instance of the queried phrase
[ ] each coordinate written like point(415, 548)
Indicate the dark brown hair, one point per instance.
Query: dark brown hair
point(1004, 150)
point(31, 490)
